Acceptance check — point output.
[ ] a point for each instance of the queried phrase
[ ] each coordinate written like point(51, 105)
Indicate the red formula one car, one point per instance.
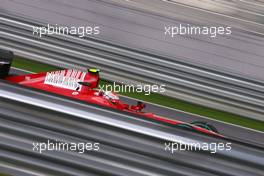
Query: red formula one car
point(83, 85)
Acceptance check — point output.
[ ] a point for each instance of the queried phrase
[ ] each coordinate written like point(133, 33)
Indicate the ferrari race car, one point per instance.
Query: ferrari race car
point(83, 85)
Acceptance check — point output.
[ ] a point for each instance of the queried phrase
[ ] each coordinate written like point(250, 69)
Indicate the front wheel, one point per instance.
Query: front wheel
point(205, 125)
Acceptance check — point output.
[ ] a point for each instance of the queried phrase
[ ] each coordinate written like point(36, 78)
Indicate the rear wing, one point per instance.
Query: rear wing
point(6, 58)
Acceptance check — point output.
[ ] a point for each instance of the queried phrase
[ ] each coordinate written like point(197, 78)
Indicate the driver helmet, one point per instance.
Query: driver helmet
point(113, 97)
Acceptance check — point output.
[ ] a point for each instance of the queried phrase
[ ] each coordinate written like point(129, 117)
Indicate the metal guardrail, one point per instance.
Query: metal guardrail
point(128, 145)
point(184, 81)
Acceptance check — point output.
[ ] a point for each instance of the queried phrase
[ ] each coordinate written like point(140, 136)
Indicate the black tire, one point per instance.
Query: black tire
point(6, 58)
point(205, 125)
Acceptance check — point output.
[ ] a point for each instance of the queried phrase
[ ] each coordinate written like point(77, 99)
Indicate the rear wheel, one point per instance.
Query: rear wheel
point(205, 125)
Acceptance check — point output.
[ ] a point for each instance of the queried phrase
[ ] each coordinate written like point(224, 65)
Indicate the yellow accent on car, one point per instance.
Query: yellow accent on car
point(93, 70)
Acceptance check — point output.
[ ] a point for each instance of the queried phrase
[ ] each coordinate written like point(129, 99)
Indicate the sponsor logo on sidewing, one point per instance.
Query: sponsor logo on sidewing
point(67, 79)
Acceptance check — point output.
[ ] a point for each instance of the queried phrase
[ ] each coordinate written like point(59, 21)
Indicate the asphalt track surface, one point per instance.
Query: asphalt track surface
point(229, 130)
point(80, 165)
point(140, 25)
point(122, 151)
